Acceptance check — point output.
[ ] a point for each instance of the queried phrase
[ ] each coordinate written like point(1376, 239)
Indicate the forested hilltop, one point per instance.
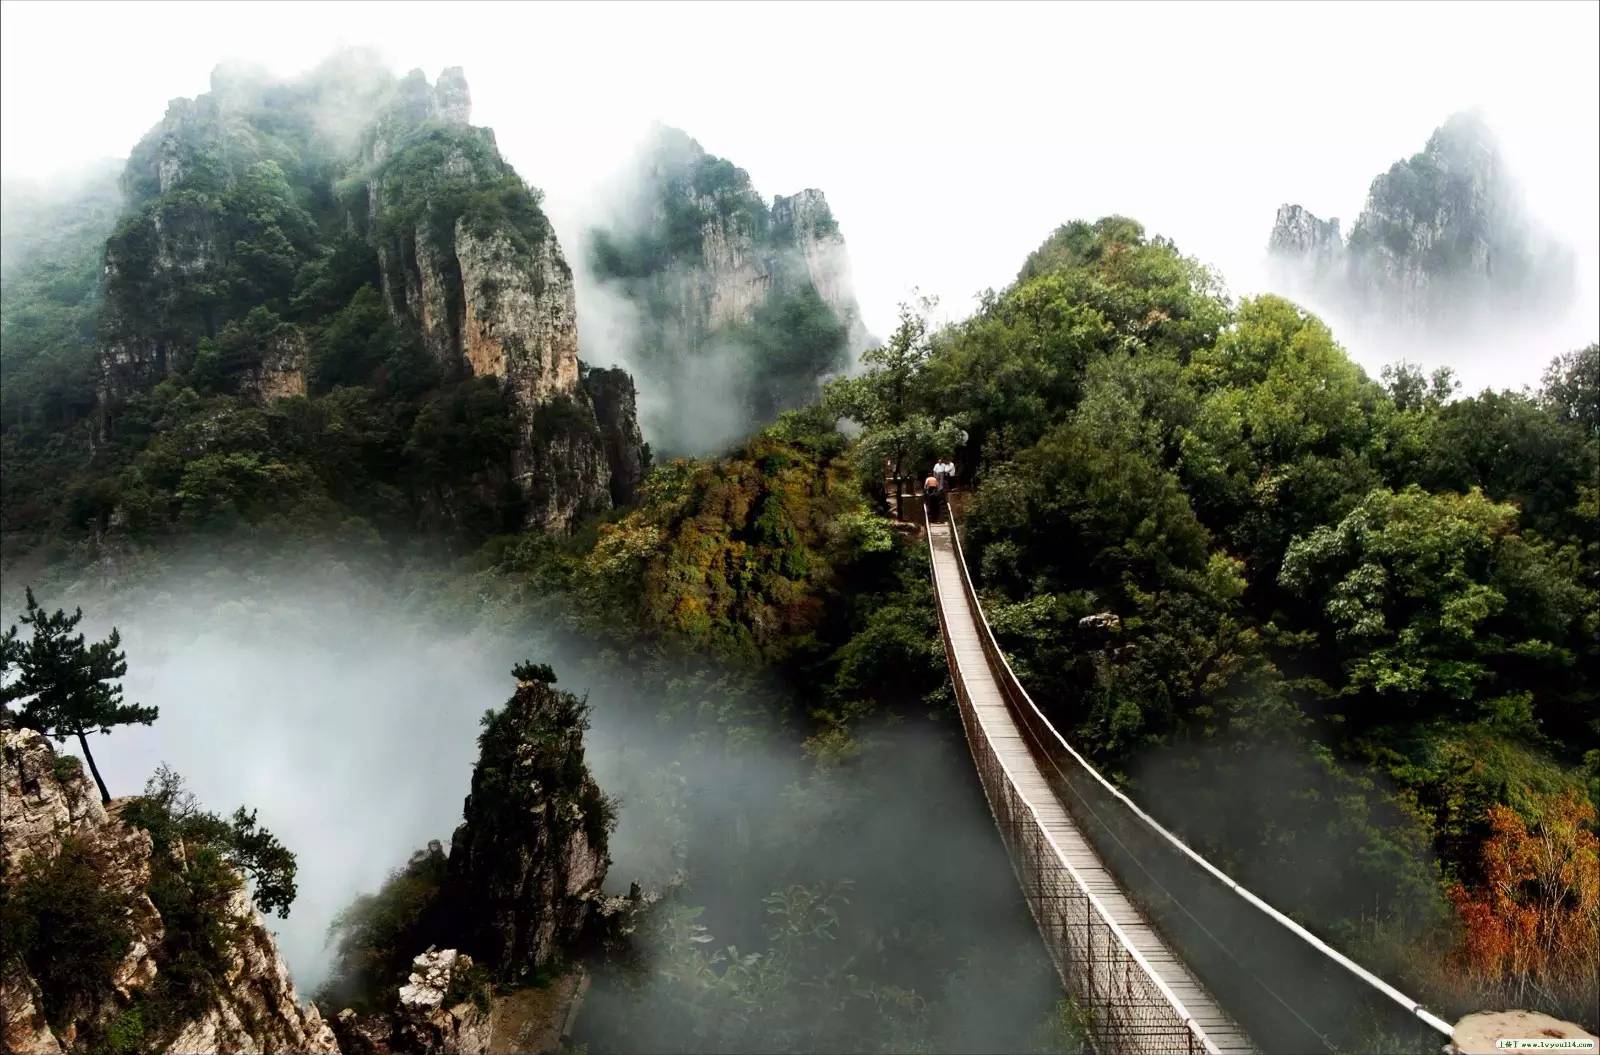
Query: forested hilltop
point(1339, 632)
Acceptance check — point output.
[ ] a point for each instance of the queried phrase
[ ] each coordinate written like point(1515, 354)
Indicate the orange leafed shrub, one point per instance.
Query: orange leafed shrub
point(1536, 915)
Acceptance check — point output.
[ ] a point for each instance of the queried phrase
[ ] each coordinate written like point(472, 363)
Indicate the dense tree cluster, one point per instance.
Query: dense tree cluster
point(1382, 591)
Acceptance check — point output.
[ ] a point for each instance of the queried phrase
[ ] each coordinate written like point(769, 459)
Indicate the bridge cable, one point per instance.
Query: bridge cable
point(1215, 940)
point(1413, 1006)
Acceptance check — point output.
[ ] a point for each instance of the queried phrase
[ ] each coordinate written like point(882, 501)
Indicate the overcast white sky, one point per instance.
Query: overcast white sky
point(950, 139)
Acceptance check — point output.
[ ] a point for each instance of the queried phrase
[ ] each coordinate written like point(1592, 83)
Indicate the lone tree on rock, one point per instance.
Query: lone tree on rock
point(64, 685)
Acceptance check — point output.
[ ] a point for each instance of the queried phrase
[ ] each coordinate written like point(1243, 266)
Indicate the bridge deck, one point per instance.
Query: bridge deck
point(1011, 745)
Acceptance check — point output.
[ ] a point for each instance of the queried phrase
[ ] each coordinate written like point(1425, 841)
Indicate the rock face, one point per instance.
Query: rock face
point(1299, 235)
point(218, 250)
point(522, 887)
point(722, 284)
point(45, 800)
point(435, 1013)
point(528, 860)
point(281, 370)
point(627, 457)
point(805, 222)
point(1444, 240)
point(258, 1009)
point(431, 1016)
point(488, 290)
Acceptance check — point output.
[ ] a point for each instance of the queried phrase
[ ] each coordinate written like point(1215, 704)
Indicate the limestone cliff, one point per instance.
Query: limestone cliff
point(51, 818)
point(259, 212)
point(469, 261)
point(615, 411)
point(805, 222)
point(215, 221)
point(1443, 241)
point(741, 307)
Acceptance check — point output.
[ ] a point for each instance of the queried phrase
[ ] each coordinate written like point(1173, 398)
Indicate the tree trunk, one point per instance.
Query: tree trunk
point(83, 742)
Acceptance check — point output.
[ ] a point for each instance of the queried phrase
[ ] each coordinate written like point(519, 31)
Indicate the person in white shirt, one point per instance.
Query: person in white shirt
point(944, 470)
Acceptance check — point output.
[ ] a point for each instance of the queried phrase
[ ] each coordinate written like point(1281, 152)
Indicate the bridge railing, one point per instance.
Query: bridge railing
point(1289, 989)
point(1133, 1010)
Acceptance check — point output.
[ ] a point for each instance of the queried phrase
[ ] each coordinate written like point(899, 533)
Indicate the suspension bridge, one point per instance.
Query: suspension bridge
point(1163, 950)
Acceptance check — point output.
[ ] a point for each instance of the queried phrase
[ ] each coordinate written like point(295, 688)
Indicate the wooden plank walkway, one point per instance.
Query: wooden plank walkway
point(1011, 746)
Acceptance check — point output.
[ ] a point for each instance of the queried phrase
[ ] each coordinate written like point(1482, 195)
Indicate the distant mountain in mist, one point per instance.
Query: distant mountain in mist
point(46, 216)
point(1444, 241)
point(52, 241)
point(735, 308)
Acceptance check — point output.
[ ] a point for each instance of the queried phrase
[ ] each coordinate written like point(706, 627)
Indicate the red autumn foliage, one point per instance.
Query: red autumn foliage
point(1535, 918)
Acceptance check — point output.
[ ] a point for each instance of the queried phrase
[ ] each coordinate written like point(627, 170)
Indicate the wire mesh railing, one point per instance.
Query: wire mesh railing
point(1288, 989)
point(1132, 1008)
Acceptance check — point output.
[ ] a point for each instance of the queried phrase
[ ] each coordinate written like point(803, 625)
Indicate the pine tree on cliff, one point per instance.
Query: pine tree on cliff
point(65, 685)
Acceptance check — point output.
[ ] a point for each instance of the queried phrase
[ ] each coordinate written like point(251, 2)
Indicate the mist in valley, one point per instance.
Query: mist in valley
point(344, 704)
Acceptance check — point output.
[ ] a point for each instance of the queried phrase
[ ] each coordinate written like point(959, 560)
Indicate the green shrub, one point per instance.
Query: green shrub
point(67, 925)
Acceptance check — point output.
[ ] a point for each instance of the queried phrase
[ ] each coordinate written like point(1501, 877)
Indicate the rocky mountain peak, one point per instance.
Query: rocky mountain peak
point(451, 96)
point(1444, 238)
point(206, 276)
point(721, 279)
point(528, 860)
point(1299, 233)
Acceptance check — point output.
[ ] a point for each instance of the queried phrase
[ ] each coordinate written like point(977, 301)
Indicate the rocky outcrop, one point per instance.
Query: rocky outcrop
point(281, 370)
point(45, 801)
point(257, 1008)
point(519, 316)
point(443, 1009)
point(805, 222)
point(731, 253)
point(528, 860)
point(23, 1026)
point(615, 411)
point(470, 263)
point(521, 890)
point(451, 96)
point(560, 463)
point(1443, 241)
point(436, 1010)
point(1300, 235)
point(466, 260)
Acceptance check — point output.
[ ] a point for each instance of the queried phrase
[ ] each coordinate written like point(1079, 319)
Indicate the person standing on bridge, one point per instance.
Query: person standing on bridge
point(945, 470)
point(933, 497)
